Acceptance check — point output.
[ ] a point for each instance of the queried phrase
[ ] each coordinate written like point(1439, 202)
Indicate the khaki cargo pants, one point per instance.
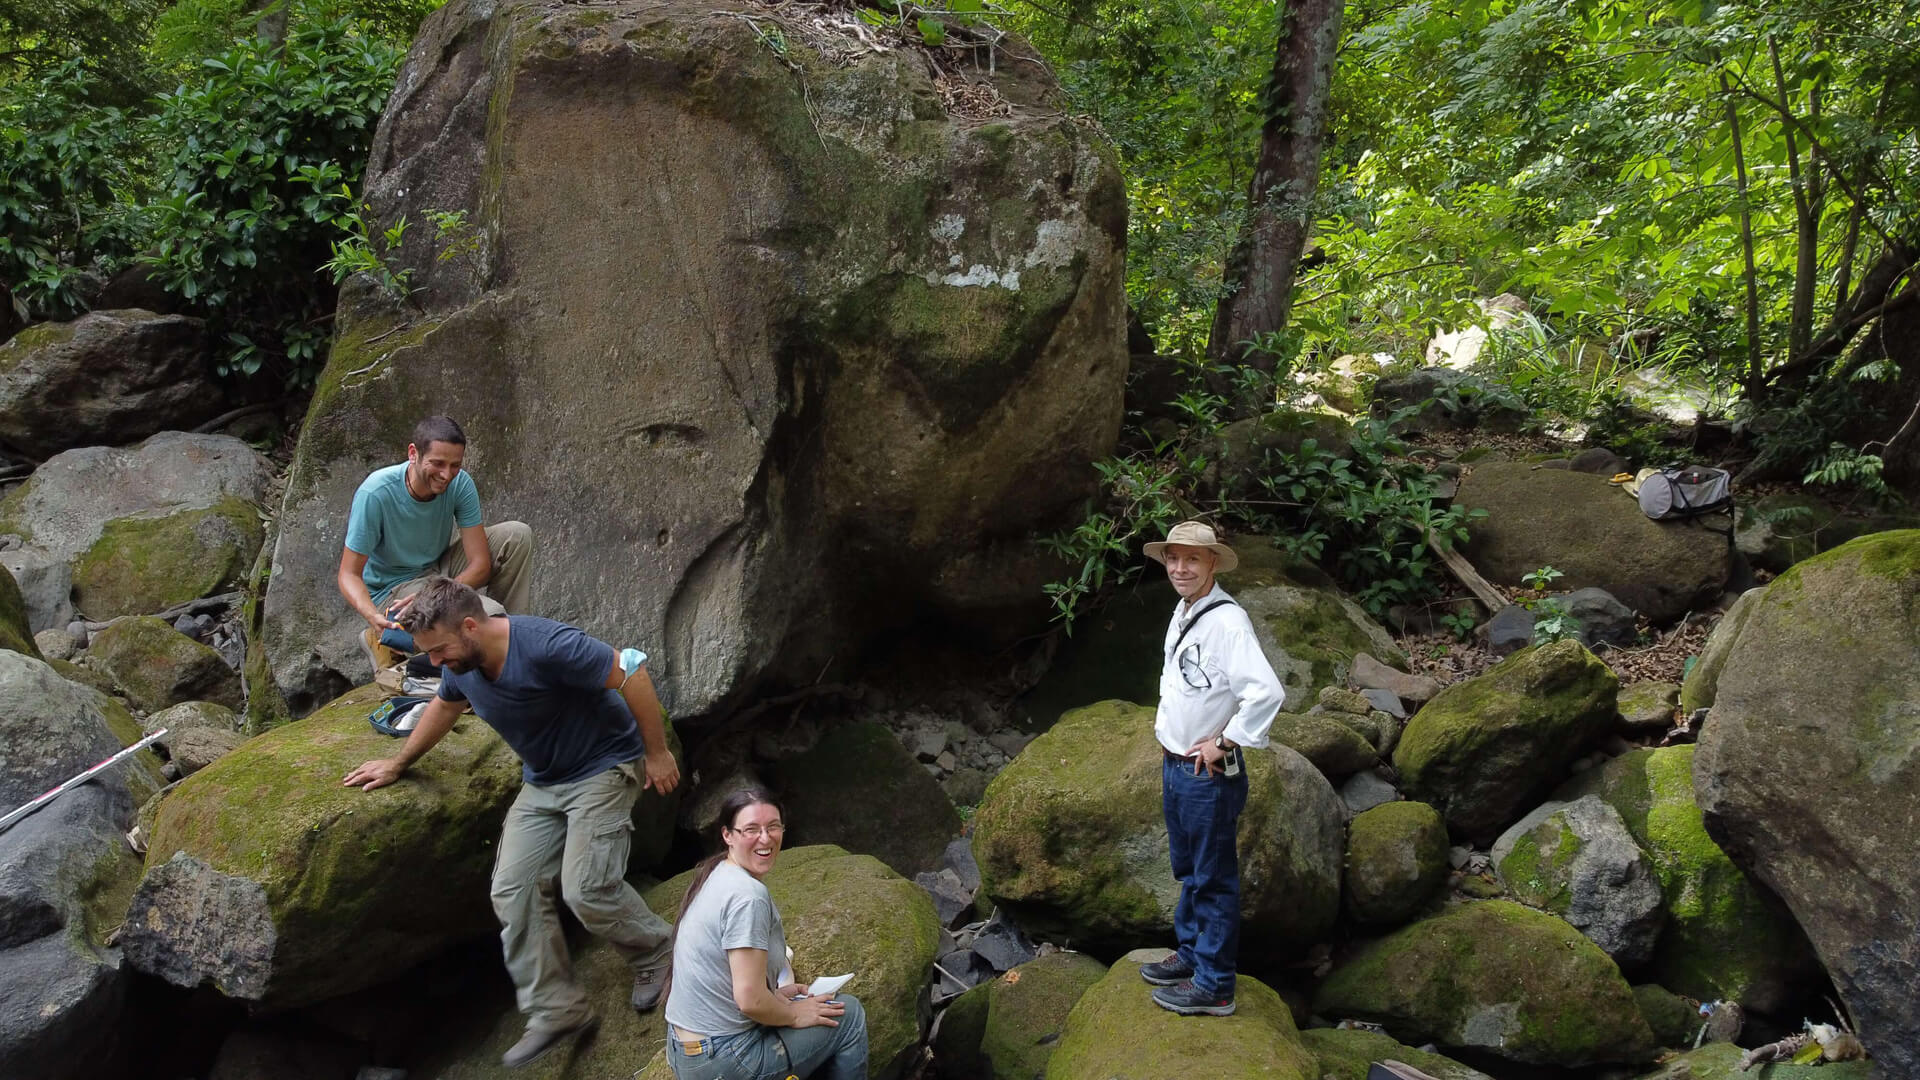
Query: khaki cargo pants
point(510, 543)
point(578, 833)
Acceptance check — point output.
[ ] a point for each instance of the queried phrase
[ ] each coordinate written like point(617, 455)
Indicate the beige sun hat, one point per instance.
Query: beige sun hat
point(1195, 534)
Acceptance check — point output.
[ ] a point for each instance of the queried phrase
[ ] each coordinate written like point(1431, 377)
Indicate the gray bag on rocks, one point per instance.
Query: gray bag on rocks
point(1685, 491)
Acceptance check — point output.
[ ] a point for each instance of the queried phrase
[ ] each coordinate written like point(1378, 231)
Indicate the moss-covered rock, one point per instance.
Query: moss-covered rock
point(194, 714)
point(1116, 1032)
point(1396, 861)
point(1497, 977)
point(1647, 707)
point(1579, 861)
point(1334, 747)
point(1726, 937)
point(1808, 772)
point(849, 913)
point(154, 561)
point(106, 377)
point(1007, 1028)
point(1071, 837)
point(1703, 678)
point(1583, 526)
point(271, 880)
point(1674, 1020)
point(1484, 750)
point(15, 631)
point(859, 789)
point(85, 676)
point(1721, 1061)
point(1311, 634)
point(870, 415)
point(1348, 1054)
point(157, 666)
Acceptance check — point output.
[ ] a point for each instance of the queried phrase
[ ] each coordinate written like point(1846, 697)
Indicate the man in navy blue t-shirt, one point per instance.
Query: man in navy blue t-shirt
point(584, 730)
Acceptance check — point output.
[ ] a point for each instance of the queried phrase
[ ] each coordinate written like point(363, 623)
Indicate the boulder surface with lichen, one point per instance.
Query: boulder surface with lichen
point(1116, 1032)
point(1007, 1028)
point(804, 353)
point(269, 879)
point(1494, 977)
point(1071, 838)
point(1808, 771)
point(1396, 861)
point(1485, 750)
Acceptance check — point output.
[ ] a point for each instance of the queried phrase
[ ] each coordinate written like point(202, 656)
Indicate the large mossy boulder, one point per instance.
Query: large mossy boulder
point(151, 562)
point(855, 351)
point(1311, 633)
point(1494, 977)
point(844, 913)
point(1592, 533)
point(1071, 839)
point(269, 879)
point(1349, 1053)
point(1116, 1032)
point(1726, 936)
point(142, 528)
point(1007, 1028)
point(1721, 1061)
point(16, 632)
point(1808, 772)
point(1396, 861)
point(1485, 750)
point(110, 377)
point(65, 872)
point(1334, 747)
point(1578, 860)
point(859, 789)
point(157, 666)
point(1702, 680)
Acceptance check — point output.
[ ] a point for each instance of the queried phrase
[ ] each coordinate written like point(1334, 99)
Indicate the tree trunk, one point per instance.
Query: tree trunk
point(271, 28)
point(1260, 272)
point(1806, 215)
point(1755, 382)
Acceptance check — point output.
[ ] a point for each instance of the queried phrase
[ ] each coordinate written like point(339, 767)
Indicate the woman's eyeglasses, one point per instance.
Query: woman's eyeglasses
point(755, 832)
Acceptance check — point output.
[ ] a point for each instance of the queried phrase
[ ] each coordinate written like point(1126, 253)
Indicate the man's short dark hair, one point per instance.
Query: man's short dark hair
point(437, 429)
point(441, 604)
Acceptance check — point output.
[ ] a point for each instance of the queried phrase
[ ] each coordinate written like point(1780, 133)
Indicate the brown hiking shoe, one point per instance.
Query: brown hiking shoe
point(535, 1044)
point(387, 671)
point(647, 988)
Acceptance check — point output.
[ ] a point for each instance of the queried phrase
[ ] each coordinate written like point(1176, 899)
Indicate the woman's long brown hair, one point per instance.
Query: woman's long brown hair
point(730, 808)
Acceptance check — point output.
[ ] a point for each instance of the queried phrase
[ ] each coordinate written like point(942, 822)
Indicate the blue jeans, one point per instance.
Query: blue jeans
point(1203, 813)
point(770, 1053)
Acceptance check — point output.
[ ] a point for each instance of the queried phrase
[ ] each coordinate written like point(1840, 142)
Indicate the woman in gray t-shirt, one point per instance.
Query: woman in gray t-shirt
point(729, 1017)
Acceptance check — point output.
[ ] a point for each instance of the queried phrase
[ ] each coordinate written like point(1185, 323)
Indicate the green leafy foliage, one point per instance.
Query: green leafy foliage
point(1104, 548)
point(1553, 622)
point(1540, 578)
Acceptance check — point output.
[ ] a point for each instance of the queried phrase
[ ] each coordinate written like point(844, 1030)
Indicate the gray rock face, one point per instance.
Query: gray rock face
point(55, 644)
point(1510, 630)
point(1604, 620)
point(108, 377)
point(191, 923)
point(52, 729)
point(1808, 776)
point(1371, 674)
point(69, 502)
point(1579, 861)
point(855, 357)
point(1648, 706)
point(1594, 534)
point(60, 1007)
point(1703, 681)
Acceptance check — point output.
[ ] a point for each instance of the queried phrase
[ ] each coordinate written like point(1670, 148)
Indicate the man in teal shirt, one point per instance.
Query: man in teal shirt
point(422, 517)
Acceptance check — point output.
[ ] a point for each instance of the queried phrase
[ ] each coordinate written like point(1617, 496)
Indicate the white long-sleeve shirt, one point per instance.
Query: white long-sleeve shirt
point(1219, 682)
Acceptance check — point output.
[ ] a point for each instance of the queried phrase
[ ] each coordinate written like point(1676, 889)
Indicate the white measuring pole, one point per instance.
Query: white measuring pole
point(19, 812)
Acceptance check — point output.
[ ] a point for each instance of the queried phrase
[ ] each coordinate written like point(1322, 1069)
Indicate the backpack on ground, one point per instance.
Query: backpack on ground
point(1684, 491)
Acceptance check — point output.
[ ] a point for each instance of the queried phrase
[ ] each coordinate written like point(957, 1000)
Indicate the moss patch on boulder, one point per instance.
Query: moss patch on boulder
point(1116, 1032)
point(1674, 1020)
point(859, 789)
point(1497, 977)
point(1721, 1061)
point(148, 563)
point(1311, 635)
point(1484, 750)
point(1071, 837)
point(1396, 860)
point(844, 913)
point(1007, 1028)
point(1349, 1054)
point(1335, 748)
point(281, 886)
point(157, 666)
point(1726, 937)
point(15, 632)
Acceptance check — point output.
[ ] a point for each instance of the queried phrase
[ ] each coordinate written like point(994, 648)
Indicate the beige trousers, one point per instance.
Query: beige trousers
point(580, 833)
point(510, 543)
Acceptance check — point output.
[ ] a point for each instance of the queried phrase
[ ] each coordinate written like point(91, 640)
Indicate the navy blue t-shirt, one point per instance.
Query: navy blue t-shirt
point(551, 702)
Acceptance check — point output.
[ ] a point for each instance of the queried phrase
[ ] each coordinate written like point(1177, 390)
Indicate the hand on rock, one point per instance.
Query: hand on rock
point(375, 774)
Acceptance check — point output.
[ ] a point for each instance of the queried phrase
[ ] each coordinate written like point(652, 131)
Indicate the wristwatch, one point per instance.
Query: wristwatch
point(1220, 743)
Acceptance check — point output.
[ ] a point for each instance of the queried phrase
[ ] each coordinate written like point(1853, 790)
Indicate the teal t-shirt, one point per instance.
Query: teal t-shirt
point(401, 536)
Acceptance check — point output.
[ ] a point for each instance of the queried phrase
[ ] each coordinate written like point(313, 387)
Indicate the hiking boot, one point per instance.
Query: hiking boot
point(380, 656)
point(1169, 972)
point(648, 984)
point(1189, 1000)
point(537, 1041)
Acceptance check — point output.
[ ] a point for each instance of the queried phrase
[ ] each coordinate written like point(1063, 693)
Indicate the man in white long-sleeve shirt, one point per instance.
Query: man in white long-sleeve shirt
point(1218, 694)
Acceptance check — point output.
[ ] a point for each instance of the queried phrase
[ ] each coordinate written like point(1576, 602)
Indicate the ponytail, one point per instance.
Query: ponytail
point(730, 809)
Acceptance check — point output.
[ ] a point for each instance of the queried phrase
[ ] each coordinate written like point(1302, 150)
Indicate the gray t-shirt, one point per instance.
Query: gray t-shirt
point(732, 911)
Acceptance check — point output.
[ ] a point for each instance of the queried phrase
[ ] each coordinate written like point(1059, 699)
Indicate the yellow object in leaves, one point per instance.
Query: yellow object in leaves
point(1808, 1055)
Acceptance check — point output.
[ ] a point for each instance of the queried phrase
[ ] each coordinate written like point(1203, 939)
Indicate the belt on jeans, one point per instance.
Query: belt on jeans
point(1177, 759)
